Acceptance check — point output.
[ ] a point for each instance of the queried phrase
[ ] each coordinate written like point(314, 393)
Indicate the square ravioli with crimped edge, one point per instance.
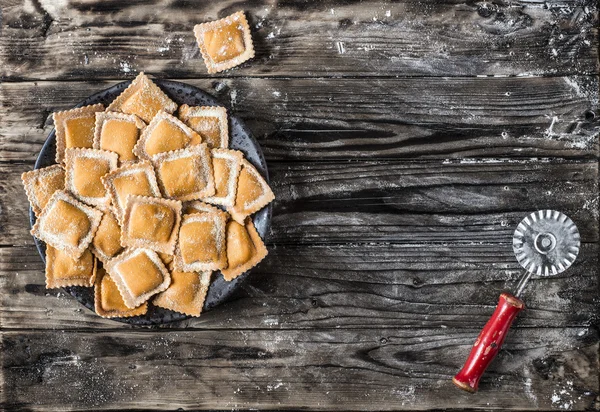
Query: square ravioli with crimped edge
point(185, 174)
point(225, 43)
point(107, 240)
point(151, 223)
point(253, 193)
point(139, 274)
point(143, 98)
point(227, 165)
point(62, 270)
point(108, 301)
point(84, 170)
point(210, 122)
point(245, 249)
point(118, 133)
point(130, 179)
point(40, 185)
point(165, 133)
point(67, 224)
point(201, 242)
point(75, 128)
point(186, 293)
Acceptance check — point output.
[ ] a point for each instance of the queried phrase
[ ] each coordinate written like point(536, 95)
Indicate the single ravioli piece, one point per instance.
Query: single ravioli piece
point(201, 242)
point(40, 185)
point(75, 128)
point(143, 98)
point(151, 223)
point(227, 165)
point(67, 224)
point(245, 249)
point(164, 134)
point(118, 132)
point(209, 122)
point(225, 43)
point(107, 240)
point(62, 270)
point(130, 179)
point(138, 274)
point(84, 171)
point(186, 293)
point(253, 193)
point(108, 301)
point(185, 174)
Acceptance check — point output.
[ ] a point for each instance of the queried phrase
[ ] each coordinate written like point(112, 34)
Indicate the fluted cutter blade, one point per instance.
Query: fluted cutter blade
point(546, 242)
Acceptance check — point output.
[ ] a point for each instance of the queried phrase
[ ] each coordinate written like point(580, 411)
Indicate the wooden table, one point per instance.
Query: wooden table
point(405, 141)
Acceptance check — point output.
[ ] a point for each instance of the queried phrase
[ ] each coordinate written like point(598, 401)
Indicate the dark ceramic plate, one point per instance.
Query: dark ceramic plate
point(240, 139)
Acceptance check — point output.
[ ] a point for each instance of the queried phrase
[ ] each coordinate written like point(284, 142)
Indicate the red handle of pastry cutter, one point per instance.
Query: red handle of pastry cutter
point(488, 344)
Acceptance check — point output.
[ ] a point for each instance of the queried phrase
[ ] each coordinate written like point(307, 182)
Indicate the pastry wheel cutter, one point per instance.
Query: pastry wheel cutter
point(545, 243)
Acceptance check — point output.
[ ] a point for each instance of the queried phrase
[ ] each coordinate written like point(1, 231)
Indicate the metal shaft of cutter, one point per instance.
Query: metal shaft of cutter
point(522, 283)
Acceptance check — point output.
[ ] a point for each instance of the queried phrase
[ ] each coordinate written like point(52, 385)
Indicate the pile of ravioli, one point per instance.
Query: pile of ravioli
point(144, 205)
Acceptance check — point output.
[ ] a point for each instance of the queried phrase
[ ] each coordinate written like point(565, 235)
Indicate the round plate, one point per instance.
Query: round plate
point(240, 139)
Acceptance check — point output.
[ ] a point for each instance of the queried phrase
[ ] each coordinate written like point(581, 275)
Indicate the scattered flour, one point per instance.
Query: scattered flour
point(582, 87)
point(270, 321)
point(125, 67)
point(275, 386)
point(406, 395)
point(528, 390)
point(560, 402)
point(220, 86)
point(591, 205)
point(563, 398)
point(233, 97)
point(549, 131)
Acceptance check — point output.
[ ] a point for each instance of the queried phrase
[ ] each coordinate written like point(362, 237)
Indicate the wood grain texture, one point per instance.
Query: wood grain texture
point(373, 201)
point(48, 39)
point(332, 265)
point(300, 119)
point(379, 232)
point(393, 201)
point(405, 141)
point(343, 286)
point(327, 369)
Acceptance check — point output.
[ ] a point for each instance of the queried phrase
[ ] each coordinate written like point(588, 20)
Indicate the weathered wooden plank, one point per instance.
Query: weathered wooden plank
point(343, 286)
point(331, 369)
point(299, 119)
point(379, 273)
point(94, 39)
point(427, 201)
point(421, 206)
point(393, 201)
point(449, 247)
